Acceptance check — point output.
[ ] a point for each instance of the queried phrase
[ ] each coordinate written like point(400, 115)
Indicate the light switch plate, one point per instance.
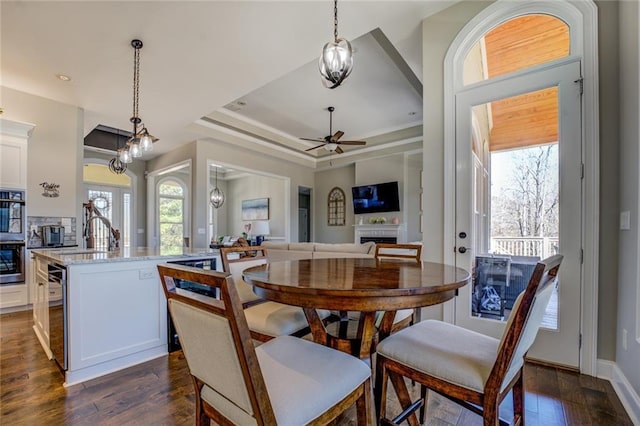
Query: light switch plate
point(625, 220)
point(202, 231)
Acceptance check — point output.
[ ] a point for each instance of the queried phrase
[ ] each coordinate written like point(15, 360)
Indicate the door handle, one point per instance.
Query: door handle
point(462, 250)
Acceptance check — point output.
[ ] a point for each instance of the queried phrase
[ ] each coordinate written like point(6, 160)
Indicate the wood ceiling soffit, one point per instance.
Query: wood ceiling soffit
point(532, 118)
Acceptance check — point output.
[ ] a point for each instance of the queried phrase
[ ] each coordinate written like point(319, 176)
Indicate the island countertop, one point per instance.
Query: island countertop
point(78, 255)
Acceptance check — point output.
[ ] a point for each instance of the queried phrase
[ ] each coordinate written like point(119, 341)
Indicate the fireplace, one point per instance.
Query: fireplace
point(386, 240)
point(379, 233)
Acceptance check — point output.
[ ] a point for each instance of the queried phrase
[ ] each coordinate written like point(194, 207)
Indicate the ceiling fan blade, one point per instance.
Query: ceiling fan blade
point(339, 150)
point(337, 135)
point(352, 142)
point(313, 139)
point(315, 147)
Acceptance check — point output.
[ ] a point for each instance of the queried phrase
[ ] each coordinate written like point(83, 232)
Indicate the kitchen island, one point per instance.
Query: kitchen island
point(96, 312)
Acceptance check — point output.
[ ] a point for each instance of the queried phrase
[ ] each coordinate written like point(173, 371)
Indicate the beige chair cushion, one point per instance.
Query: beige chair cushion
point(305, 379)
point(245, 291)
point(277, 319)
point(428, 346)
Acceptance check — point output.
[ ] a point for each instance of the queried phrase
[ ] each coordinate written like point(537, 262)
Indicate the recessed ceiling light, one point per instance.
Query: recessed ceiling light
point(63, 77)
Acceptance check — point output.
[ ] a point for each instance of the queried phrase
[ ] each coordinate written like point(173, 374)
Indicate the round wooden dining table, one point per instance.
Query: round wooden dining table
point(364, 285)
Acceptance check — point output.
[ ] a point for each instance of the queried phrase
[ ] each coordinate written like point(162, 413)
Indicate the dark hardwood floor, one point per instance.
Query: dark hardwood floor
point(160, 392)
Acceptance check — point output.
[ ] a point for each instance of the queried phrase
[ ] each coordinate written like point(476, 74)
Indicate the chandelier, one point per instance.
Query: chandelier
point(117, 164)
point(141, 140)
point(336, 61)
point(216, 197)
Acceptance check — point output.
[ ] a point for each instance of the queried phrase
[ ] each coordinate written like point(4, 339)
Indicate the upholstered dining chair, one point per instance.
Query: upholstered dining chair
point(404, 317)
point(471, 369)
point(286, 381)
point(266, 319)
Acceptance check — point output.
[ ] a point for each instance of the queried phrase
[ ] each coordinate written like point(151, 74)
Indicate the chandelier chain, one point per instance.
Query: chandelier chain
point(335, 20)
point(136, 83)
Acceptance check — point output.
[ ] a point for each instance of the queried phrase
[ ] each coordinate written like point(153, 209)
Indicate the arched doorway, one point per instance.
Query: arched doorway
point(484, 95)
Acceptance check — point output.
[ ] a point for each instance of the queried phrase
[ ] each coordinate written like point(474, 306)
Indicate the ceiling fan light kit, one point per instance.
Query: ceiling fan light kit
point(332, 141)
point(336, 61)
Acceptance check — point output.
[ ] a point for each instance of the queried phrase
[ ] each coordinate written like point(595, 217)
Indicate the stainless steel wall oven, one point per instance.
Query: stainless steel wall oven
point(12, 236)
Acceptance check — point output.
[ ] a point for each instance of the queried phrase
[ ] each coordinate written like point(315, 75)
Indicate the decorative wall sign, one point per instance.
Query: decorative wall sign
point(257, 209)
point(50, 189)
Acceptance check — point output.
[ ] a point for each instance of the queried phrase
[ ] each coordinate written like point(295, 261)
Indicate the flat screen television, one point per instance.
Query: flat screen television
point(378, 198)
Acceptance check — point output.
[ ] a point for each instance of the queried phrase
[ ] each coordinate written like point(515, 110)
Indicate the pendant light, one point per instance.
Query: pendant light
point(336, 61)
point(216, 197)
point(117, 165)
point(140, 140)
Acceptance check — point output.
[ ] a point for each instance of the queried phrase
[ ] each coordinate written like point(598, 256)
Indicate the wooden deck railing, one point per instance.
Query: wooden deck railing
point(525, 246)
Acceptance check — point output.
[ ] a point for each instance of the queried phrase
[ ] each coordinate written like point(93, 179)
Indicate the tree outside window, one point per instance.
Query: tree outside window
point(171, 216)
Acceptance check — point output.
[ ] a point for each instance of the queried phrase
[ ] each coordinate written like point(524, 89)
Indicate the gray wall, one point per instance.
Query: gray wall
point(325, 181)
point(629, 241)
point(54, 151)
point(438, 31)
point(251, 187)
point(609, 163)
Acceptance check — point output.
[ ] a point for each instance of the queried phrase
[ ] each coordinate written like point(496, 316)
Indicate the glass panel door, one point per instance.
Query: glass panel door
point(518, 191)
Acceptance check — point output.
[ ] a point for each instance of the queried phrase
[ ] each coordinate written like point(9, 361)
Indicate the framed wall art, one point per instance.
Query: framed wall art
point(257, 209)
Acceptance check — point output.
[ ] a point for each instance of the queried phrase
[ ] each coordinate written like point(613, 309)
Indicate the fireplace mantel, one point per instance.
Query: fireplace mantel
point(379, 233)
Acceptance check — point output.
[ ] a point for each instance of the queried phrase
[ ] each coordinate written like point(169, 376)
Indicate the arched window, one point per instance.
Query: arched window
point(517, 44)
point(113, 197)
point(336, 207)
point(171, 215)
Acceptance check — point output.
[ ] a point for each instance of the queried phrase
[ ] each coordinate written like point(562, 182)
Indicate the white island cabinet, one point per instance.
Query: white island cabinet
point(116, 309)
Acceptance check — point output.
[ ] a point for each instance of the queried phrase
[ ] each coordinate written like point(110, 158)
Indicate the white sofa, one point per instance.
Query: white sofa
point(277, 251)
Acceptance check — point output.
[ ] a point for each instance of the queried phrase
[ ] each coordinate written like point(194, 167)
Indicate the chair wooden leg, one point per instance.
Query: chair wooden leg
point(491, 412)
point(201, 418)
point(380, 389)
point(363, 405)
point(518, 400)
point(402, 393)
point(423, 396)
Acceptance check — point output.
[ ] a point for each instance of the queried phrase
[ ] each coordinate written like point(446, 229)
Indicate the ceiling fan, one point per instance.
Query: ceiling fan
point(332, 141)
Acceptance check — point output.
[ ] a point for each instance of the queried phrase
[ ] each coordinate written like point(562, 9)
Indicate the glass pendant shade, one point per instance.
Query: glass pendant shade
point(336, 62)
point(331, 147)
point(124, 155)
point(216, 197)
point(146, 143)
point(134, 150)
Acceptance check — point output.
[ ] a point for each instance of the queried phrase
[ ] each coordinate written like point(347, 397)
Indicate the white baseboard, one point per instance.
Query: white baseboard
point(610, 371)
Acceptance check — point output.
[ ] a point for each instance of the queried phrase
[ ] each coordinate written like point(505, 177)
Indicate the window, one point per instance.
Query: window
point(171, 214)
point(336, 207)
point(538, 39)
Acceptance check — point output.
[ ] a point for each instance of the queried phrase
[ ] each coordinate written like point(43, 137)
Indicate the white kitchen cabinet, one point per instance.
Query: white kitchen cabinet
point(13, 153)
point(13, 297)
point(41, 303)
